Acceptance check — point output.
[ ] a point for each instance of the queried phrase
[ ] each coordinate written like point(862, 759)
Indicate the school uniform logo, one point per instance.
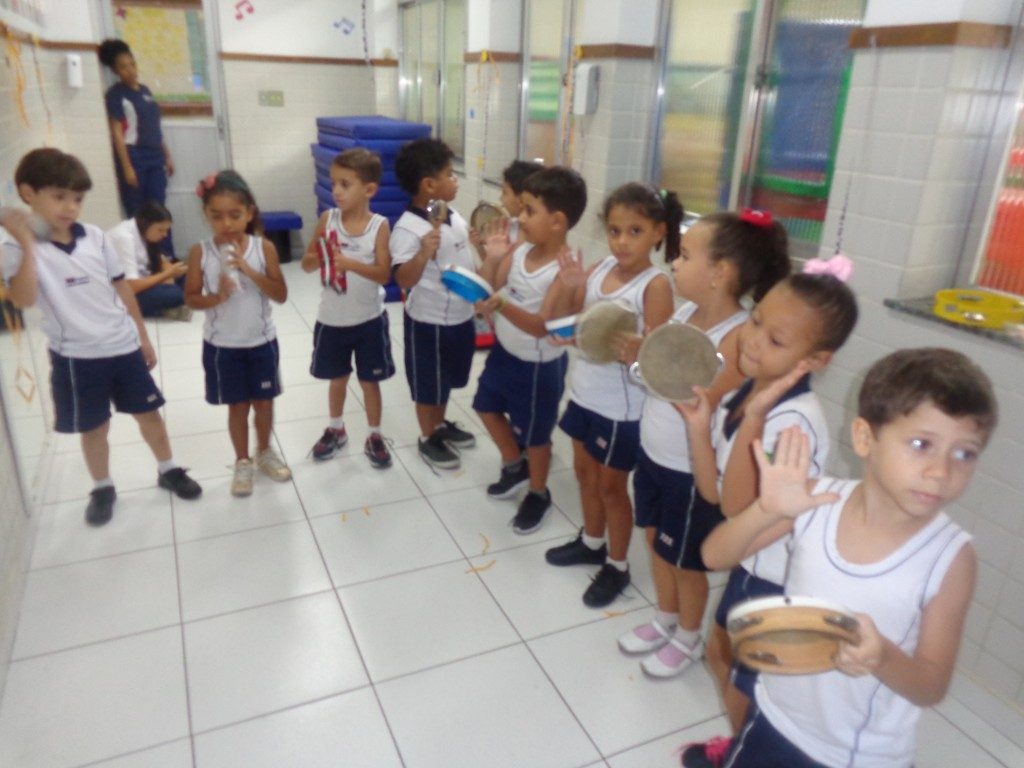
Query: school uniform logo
point(71, 282)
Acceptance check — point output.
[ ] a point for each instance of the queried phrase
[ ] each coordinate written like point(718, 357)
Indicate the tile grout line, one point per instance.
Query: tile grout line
point(184, 648)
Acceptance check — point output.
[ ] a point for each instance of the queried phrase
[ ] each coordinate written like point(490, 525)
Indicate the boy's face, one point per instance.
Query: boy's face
point(781, 331)
point(537, 224)
point(57, 206)
point(510, 200)
point(350, 193)
point(920, 462)
point(441, 186)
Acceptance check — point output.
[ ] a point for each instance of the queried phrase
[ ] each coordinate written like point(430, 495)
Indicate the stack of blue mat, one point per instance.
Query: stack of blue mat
point(379, 134)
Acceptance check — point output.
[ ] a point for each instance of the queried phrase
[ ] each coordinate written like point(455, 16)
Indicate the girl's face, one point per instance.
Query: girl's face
point(228, 216)
point(781, 331)
point(694, 272)
point(155, 233)
point(632, 236)
point(126, 70)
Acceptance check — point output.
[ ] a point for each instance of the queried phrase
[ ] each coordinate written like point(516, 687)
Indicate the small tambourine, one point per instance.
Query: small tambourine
point(978, 308)
point(673, 359)
point(563, 327)
point(790, 635)
point(599, 328)
point(329, 274)
point(437, 212)
point(465, 283)
point(40, 229)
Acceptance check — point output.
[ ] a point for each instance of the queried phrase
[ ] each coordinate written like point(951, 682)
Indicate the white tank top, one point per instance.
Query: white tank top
point(662, 429)
point(364, 299)
point(857, 721)
point(606, 388)
point(526, 290)
point(799, 406)
point(244, 319)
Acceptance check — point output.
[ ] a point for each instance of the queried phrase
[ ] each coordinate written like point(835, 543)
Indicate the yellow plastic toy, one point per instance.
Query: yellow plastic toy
point(978, 308)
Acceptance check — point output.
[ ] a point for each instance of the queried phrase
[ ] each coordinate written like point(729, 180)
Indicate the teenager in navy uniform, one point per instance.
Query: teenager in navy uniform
point(99, 350)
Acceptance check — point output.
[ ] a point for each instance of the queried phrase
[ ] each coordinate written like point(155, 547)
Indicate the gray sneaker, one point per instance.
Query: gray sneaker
point(437, 453)
point(453, 434)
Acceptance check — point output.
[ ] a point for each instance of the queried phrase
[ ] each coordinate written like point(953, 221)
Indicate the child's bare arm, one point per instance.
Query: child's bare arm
point(272, 283)
point(410, 272)
point(528, 322)
point(127, 296)
point(923, 678)
point(311, 258)
point(380, 270)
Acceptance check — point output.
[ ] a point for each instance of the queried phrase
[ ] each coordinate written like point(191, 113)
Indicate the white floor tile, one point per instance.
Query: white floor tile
point(87, 704)
point(665, 752)
point(81, 603)
point(142, 520)
point(618, 706)
point(301, 401)
point(412, 621)
point(480, 465)
point(941, 744)
point(385, 539)
point(264, 659)
point(131, 466)
point(350, 483)
point(540, 598)
point(177, 754)
point(194, 416)
point(206, 456)
point(496, 710)
point(344, 730)
point(217, 512)
point(249, 568)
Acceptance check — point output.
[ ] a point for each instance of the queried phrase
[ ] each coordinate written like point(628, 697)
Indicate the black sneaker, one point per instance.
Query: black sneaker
point(532, 509)
point(376, 450)
point(511, 481)
point(179, 483)
point(437, 453)
point(576, 552)
point(101, 506)
point(455, 435)
point(606, 586)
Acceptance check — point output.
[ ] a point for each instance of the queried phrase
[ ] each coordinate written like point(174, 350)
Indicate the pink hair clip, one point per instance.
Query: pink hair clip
point(205, 184)
point(756, 217)
point(839, 267)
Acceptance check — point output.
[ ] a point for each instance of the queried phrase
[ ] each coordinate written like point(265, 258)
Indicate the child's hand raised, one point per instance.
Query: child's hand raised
point(17, 223)
point(866, 657)
point(696, 412)
point(760, 404)
point(784, 477)
point(497, 244)
point(570, 267)
point(627, 346)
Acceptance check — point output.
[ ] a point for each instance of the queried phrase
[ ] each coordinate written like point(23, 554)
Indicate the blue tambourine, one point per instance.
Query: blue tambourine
point(465, 284)
point(563, 327)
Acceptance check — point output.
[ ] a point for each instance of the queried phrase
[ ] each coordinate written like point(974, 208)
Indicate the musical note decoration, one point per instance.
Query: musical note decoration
point(121, 12)
point(346, 25)
point(243, 5)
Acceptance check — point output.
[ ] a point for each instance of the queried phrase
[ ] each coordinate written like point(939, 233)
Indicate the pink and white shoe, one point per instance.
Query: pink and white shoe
point(645, 638)
point(672, 659)
point(710, 754)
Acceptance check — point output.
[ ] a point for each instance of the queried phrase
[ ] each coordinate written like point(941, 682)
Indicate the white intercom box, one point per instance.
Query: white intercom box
point(584, 94)
point(75, 74)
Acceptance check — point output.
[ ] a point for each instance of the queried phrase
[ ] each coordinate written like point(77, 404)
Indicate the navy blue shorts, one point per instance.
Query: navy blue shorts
point(437, 359)
point(742, 586)
point(334, 346)
point(667, 500)
point(759, 745)
point(614, 444)
point(83, 389)
point(529, 392)
point(241, 375)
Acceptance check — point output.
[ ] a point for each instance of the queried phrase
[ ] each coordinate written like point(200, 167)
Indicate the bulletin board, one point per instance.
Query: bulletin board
point(169, 44)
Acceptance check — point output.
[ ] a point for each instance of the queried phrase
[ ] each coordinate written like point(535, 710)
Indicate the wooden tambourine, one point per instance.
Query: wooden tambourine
point(673, 359)
point(600, 326)
point(789, 635)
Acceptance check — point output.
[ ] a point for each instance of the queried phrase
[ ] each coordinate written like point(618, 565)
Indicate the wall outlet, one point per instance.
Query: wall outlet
point(271, 98)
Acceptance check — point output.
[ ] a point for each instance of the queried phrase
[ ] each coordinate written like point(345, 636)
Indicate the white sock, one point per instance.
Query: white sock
point(374, 430)
point(621, 565)
point(164, 466)
point(338, 423)
point(104, 483)
point(687, 637)
point(592, 542)
point(666, 619)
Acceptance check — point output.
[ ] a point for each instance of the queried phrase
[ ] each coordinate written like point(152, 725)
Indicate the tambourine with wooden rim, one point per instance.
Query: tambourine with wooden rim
point(790, 635)
point(673, 359)
point(599, 328)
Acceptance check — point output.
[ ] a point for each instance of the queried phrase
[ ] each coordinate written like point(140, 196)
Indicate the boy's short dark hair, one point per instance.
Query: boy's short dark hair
point(903, 380)
point(363, 162)
point(49, 167)
point(517, 172)
point(110, 49)
point(420, 159)
point(560, 189)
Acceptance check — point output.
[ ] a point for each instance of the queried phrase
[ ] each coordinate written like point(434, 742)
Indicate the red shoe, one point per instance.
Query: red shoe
point(710, 754)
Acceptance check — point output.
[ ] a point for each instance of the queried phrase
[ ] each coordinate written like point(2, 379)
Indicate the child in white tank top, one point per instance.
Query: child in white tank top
point(603, 413)
point(881, 548)
point(233, 277)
